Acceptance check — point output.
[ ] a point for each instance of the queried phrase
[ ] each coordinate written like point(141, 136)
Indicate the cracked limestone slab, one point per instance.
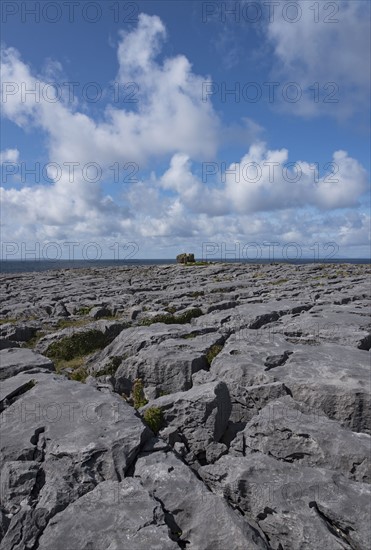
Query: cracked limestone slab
point(16, 360)
point(203, 520)
point(296, 506)
point(293, 433)
point(77, 435)
point(113, 516)
point(330, 377)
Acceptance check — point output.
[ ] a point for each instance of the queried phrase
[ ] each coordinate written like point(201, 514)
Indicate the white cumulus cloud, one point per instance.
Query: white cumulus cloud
point(9, 155)
point(330, 42)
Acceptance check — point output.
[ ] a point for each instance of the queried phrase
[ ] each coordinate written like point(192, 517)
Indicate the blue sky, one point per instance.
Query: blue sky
point(186, 123)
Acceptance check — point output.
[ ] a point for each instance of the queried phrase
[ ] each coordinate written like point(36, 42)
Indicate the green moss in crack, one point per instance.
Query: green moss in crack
point(34, 340)
point(139, 399)
point(190, 335)
point(279, 282)
point(213, 352)
point(77, 345)
point(188, 315)
point(84, 310)
point(80, 375)
point(10, 320)
point(154, 418)
point(170, 309)
point(198, 263)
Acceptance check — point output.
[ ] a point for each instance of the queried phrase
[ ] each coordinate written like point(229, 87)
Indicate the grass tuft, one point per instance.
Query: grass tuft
point(213, 352)
point(139, 399)
point(84, 310)
point(77, 345)
point(5, 321)
point(66, 323)
point(154, 418)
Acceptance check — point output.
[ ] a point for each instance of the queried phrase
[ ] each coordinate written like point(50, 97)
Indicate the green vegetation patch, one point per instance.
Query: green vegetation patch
point(213, 352)
point(197, 293)
point(77, 365)
point(154, 418)
point(5, 321)
point(31, 343)
point(84, 310)
point(139, 399)
point(66, 323)
point(77, 345)
point(191, 264)
point(279, 282)
point(170, 309)
point(342, 273)
point(191, 335)
point(79, 375)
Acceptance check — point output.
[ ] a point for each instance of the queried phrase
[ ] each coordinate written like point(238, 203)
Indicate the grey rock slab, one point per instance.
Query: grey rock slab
point(16, 360)
point(291, 432)
point(113, 516)
point(216, 320)
point(131, 340)
point(223, 305)
point(214, 451)
point(255, 316)
point(168, 365)
point(99, 311)
point(199, 415)
point(79, 437)
point(335, 324)
point(296, 507)
point(246, 400)
point(333, 378)
point(330, 377)
point(204, 520)
point(18, 479)
point(60, 310)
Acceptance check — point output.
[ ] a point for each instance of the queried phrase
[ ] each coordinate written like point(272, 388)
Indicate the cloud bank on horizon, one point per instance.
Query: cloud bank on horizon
point(191, 197)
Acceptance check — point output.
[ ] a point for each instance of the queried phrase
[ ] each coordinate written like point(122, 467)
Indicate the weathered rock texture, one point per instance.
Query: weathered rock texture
point(252, 429)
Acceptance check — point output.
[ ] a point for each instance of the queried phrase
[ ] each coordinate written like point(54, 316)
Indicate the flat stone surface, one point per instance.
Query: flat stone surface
point(16, 360)
point(293, 433)
point(114, 515)
point(295, 506)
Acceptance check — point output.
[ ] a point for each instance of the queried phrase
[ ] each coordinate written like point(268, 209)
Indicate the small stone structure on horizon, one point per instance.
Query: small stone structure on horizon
point(185, 258)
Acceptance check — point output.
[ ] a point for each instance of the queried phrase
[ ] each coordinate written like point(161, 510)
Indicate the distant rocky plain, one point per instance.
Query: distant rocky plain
point(205, 407)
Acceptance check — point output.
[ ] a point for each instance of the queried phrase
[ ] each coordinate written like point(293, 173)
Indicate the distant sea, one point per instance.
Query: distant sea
point(24, 266)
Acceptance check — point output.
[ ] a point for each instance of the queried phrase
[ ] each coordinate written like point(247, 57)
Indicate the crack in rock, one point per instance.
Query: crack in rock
point(16, 394)
point(336, 530)
point(174, 529)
